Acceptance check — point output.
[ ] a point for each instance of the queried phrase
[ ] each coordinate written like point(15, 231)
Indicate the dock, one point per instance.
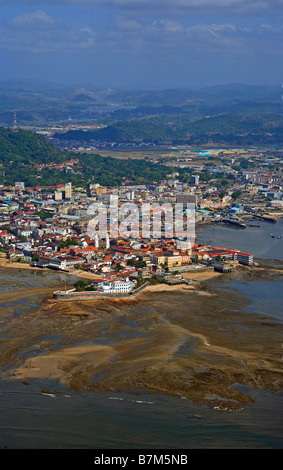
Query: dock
point(236, 223)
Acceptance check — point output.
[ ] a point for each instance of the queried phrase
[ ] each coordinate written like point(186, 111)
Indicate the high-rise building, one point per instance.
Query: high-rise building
point(107, 241)
point(194, 180)
point(58, 195)
point(68, 190)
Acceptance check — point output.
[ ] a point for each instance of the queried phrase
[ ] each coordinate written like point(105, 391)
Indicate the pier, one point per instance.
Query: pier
point(266, 218)
point(236, 223)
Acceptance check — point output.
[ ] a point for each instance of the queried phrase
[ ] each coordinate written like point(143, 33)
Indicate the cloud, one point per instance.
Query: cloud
point(178, 7)
point(171, 25)
point(127, 24)
point(112, 37)
point(37, 32)
point(36, 19)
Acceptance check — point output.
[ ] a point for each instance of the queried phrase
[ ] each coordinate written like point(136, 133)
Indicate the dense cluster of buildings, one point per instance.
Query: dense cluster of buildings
point(47, 231)
point(48, 227)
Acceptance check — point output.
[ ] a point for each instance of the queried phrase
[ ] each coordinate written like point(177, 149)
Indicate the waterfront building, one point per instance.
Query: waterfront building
point(57, 263)
point(243, 258)
point(73, 261)
point(114, 286)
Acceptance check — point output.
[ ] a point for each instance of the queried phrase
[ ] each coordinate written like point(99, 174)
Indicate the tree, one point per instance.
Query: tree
point(81, 285)
point(236, 194)
point(43, 215)
point(118, 267)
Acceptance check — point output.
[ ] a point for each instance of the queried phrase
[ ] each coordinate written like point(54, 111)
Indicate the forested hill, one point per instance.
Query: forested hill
point(26, 147)
point(158, 128)
point(28, 157)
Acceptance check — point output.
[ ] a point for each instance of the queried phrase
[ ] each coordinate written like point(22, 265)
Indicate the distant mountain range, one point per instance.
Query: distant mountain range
point(40, 102)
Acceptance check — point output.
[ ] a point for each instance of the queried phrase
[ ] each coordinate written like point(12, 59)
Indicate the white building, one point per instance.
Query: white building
point(57, 263)
point(111, 286)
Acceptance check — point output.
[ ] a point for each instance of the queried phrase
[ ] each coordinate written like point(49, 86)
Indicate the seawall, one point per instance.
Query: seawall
point(94, 295)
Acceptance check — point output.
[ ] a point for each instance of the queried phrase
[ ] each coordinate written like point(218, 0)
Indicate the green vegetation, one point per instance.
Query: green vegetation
point(220, 128)
point(134, 130)
point(108, 171)
point(155, 280)
point(26, 148)
point(81, 285)
point(119, 267)
point(44, 215)
point(29, 157)
point(67, 243)
point(236, 194)
point(21, 152)
point(137, 264)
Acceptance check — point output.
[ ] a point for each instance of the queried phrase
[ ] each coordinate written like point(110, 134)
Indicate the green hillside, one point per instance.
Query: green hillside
point(22, 152)
point(26, 147)
point(159, 128)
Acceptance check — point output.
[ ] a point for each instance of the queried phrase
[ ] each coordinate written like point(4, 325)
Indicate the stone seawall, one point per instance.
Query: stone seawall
point(94, 295)
point(86, 296)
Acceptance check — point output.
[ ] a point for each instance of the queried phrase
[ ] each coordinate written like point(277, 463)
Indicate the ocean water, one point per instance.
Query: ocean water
point(254, 240)
point(265, 298)
point(33, 419)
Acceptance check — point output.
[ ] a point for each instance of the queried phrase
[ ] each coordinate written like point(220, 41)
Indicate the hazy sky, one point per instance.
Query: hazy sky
point(143, 43)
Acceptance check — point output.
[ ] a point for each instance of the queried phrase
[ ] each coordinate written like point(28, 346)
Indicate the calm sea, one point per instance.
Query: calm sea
point(30, 419)
point(254, 240)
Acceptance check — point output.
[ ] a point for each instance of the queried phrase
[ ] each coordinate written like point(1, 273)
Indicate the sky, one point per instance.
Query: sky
point(143, 44)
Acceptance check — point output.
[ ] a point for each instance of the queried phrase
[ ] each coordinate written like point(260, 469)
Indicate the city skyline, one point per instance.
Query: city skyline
point(141, 44)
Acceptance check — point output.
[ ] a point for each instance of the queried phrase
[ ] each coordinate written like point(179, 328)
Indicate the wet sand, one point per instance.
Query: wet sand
point(194, 341)
point(6, 263)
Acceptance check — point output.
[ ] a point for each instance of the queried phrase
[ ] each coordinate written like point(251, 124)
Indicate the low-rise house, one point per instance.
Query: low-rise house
point(157, 258)
point(72, 261)
point(173, 260)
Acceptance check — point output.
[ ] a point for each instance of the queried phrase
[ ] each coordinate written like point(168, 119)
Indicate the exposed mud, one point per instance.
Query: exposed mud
point(197, 343)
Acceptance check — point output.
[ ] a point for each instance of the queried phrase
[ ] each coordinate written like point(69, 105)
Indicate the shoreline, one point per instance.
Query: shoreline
point(5, 263)
point(157, 351)
point(196, 277)
point(155, 342)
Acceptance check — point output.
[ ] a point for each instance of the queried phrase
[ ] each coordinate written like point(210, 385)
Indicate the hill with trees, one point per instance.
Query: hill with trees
point(27, 147)
point(29, 157)
point(257, 127)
